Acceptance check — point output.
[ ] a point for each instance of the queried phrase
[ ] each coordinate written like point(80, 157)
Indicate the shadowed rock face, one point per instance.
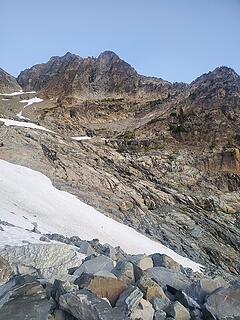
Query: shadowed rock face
point(102, 77)
point(8, 83)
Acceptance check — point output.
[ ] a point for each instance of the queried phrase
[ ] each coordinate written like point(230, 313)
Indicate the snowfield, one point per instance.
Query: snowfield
point(9, 122)
point(28, 197)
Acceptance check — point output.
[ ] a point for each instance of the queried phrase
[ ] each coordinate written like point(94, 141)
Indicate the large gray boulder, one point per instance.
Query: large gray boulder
point(124, 271)
point(94, 265)
point(224, 304)
point(162, 260)
point(169, 278)
point(85, 305)
point(142, 261)
point(129, 299)
point(203, 287)
point(23, 297)
point(151, 289)
point(49, 261)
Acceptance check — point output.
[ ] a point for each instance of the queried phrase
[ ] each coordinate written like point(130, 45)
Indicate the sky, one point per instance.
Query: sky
point(176, 40)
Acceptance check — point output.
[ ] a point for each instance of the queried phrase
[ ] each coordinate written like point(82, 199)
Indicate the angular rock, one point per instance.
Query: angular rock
point(109, 251)
point(85, 248)
point(162, 260)
point(224, 303)
point(94, 265)
point(186, 301)
point(124, 271)
point(49, 261)
point(159, 315)
point(169, 278)
point(201, 288)
point(143, 311)
point(85, 305)
point(108, 288)
point(23, 298)
point(151, 289)
point(178, 311)
point(61, 287)
point(160, 304)
point(44, 239)
point(129, 299)
point(142, 261)
point(5, 271)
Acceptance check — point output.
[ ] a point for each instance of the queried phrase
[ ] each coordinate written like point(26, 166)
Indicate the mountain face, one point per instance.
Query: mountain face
point(162, 158)
point(8, 83)
point(90, 78)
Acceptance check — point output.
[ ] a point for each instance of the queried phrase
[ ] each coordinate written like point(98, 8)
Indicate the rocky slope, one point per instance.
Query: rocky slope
point(163, 158)
point(8, 83)
point(51, 281)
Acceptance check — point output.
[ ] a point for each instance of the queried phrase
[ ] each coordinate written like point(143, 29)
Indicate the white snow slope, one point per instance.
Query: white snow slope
point(27, 196)
point(9, 122)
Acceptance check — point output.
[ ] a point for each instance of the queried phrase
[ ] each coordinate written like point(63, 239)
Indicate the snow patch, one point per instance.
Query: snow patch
point(81, 138)
point(29, 102)
point(16, 93)
point(28, 193)
point(9, 122)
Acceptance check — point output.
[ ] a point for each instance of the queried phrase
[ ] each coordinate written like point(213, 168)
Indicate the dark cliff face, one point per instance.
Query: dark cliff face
point(8, 83)
point(102, 77)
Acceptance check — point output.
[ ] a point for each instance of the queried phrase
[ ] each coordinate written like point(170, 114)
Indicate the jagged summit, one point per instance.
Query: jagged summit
point(87, 78)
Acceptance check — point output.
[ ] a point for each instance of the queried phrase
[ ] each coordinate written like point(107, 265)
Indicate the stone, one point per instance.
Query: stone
point(162, 260)
point(124, 271)
point(159, 315)
point(178, 311)
point(59, 315)
point(108, 288)
point(142, 261)
point(129, 299)
point(109, 251)
point(143, 311)
point(86, 305)
point(224, 303)
point(61, 287)
point(44, 239)
point(49, 261)
point(85, 248)
point(201, 288)
point(5, 270)
point(169, 279)
point(23, 297)
point(160, 303)
point(94, 265)
point(186, 301)
point(151, 289)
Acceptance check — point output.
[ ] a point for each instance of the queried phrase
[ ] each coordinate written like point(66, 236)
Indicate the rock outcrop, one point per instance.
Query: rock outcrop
point(8, 84)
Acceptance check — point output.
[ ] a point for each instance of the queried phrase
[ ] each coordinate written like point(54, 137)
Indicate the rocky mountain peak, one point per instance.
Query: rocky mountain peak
point(8, 83)
point(90, 78)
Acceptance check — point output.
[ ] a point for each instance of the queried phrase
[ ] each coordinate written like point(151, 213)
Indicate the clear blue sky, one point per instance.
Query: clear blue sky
point(177, 40)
